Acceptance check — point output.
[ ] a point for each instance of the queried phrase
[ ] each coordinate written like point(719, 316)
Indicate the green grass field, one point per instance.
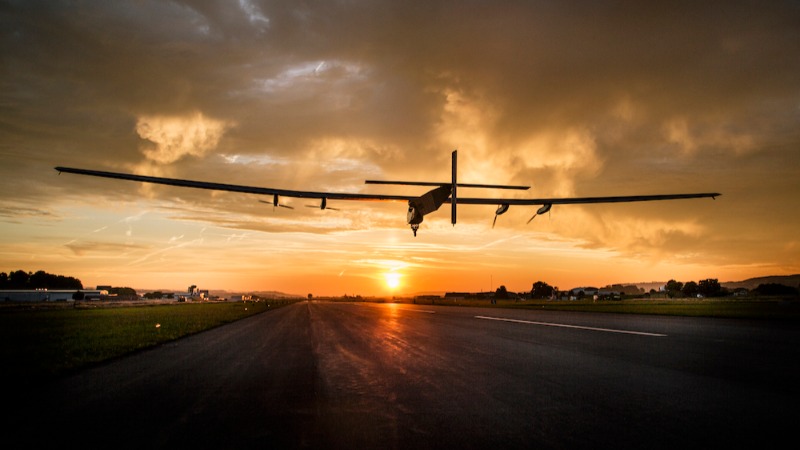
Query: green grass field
point(41, 343)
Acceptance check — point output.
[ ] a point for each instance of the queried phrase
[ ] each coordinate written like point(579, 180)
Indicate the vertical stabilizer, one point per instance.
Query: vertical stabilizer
point(453, 195)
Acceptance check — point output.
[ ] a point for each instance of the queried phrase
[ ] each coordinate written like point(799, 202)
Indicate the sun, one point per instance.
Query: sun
point(392, 279)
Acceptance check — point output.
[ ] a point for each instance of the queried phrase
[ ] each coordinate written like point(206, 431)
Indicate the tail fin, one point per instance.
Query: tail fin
point(453, 196)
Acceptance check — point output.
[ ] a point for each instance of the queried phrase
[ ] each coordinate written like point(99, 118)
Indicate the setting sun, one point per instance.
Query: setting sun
point(392, 279)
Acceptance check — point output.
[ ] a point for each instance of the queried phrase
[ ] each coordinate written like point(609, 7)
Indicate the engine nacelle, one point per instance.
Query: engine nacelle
point(544, 209)
point(541, 210)
point(501, 209)
point(413, 217)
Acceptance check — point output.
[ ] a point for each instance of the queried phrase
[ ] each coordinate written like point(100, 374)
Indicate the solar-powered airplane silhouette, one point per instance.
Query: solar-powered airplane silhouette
point(418, 206)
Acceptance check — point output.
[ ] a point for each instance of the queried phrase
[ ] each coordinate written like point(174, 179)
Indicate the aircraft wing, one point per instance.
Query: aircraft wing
point(418, 206)
point(234, 187)
point(577, 200)
point(353, 196)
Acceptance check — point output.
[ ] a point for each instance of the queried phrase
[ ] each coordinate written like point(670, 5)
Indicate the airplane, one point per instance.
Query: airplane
point(418, 206)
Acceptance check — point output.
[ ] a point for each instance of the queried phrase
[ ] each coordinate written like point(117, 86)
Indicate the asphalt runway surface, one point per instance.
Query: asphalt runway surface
point(399, 376)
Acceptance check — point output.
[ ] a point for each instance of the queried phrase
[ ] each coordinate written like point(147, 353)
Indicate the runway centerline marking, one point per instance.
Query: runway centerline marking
point(562, 325)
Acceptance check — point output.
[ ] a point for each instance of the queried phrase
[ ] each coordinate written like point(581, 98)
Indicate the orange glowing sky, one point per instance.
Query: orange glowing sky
point(573, 99)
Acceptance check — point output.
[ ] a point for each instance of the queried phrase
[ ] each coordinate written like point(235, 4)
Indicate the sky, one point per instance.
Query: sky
point(570, 98)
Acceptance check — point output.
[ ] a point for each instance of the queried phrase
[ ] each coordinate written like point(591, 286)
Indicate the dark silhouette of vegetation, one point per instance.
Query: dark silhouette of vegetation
point(541, 289)
point(691, 289)
point(674, 288)
point(710, 287)
point(501, 293)
point(158, 295)
point(21, 280)
point(775, 289)
point(122, 291)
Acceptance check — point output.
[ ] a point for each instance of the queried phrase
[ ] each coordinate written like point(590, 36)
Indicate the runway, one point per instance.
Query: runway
point(363, 375)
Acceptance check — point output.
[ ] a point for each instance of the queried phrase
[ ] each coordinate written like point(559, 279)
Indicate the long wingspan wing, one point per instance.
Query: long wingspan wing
point(352, 196)
point(234, 187)
point(579, 200)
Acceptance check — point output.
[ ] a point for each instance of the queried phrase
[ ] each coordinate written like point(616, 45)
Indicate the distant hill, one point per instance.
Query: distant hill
point(262, 294)
point(649, 285)
point(752, 283)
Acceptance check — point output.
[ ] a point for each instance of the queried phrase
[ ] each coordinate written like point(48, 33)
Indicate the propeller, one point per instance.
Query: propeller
point(540, 211)
point(500, 210)
point(275, 202)
point(282, 206)
point(326, 208)
point(323, 205)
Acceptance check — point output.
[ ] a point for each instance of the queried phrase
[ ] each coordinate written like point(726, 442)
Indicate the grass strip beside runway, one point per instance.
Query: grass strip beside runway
point(39, 344)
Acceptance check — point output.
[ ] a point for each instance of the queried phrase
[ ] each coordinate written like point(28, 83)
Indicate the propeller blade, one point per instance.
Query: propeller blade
point(495, 220)
point(326, 208)
point(273, 205)
point(529, 220)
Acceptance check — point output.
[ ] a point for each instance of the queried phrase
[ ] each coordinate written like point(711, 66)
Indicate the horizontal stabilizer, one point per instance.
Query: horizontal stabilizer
point(430, 183)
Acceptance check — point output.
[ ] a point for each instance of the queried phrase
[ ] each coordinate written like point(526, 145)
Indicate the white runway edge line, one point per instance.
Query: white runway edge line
point(547, 324)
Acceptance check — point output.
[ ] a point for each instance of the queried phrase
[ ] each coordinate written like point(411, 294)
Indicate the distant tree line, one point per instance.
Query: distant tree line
point(122, 291)
point(775, 289)
point(158, 295)
point(39, 280)
point(709, 287)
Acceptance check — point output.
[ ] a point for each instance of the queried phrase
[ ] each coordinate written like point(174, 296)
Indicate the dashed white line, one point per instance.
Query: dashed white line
point(561, 325)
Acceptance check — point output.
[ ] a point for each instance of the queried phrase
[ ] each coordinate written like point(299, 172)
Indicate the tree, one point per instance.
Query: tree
point(691, 289)
point(541, 289)
point(709, 287)
point(39, 280)
point(775, 289)
point(673, 288)
point(501, 293)
point(123, 291)
point(18, 280)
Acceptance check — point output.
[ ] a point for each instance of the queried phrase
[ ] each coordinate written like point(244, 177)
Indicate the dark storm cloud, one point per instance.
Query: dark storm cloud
point(580, 98)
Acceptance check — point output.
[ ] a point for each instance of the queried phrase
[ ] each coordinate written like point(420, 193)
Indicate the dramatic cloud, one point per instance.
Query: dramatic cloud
point(176, 137)
point(572, 98)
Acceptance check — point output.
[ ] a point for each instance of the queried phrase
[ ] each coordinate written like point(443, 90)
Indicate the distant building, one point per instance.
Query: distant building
point(427, 298)
point(584, 291)
point(192, 294)
point(606, 293)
